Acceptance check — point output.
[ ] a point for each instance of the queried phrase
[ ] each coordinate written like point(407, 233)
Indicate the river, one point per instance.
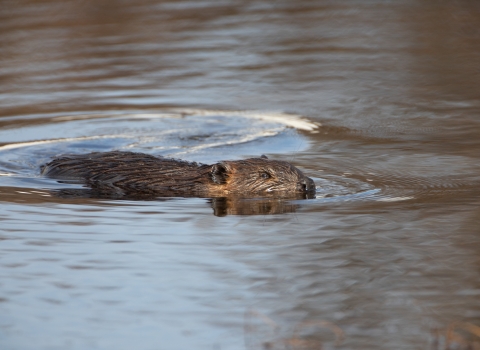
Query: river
point(377, 101)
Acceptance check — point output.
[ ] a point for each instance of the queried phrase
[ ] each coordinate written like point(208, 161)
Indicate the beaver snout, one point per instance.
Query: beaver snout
point(306, 185)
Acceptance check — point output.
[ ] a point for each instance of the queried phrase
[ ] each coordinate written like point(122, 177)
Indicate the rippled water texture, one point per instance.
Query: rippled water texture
point(378, 102)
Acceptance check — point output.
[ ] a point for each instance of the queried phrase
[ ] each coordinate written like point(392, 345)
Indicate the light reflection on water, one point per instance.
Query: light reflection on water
point(388, 251)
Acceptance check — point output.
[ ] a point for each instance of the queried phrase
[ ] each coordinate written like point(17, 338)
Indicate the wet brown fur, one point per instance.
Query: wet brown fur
point(138, 173)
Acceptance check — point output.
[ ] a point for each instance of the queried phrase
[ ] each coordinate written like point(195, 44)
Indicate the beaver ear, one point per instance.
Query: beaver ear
point(263, 156)
point(219, 173)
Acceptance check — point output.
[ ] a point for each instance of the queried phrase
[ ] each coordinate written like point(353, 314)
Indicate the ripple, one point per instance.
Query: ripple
point(206, 136)
point(407, 184)
point(192, 134)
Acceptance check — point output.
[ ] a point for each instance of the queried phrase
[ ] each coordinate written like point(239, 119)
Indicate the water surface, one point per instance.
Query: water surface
point(377, 101)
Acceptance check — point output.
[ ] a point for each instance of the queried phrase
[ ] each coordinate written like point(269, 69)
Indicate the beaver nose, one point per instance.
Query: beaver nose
point(306, 185)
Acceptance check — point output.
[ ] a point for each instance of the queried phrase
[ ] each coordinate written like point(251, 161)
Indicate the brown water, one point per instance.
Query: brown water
point(378, 101)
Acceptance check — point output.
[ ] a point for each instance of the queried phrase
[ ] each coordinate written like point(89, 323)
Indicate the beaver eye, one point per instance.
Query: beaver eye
point(265, 175)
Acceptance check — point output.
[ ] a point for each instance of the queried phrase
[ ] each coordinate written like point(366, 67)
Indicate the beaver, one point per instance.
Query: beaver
point(129, 173)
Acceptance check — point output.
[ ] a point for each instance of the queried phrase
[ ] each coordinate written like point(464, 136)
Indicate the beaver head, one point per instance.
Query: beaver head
point(260, 175)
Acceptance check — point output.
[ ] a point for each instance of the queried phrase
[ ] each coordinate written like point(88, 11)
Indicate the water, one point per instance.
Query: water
point(377, 101)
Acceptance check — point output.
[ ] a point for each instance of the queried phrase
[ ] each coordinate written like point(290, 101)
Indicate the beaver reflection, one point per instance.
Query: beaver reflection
point(142, 176)
point(224, 206)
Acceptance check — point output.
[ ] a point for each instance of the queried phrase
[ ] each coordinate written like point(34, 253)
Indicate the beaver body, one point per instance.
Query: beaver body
point(129, 173)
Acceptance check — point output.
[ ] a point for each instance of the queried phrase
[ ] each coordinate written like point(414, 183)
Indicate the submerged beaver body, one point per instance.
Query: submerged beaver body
point(128, 173)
